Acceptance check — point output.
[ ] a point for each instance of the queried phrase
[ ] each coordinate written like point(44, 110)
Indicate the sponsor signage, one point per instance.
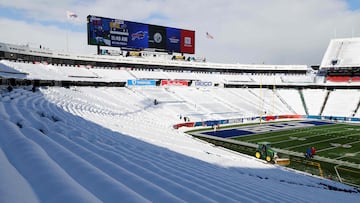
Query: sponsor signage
point(121, 33)
point(187, 41)
point(203, 83)
point(141, 83)
point(174, 83)
point(236, 120)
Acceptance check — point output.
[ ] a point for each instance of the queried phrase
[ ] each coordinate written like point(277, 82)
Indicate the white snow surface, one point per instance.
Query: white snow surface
point(113, 145)
point(342, 53)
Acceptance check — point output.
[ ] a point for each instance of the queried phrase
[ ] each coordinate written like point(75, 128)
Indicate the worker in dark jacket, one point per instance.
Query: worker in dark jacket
point(308, 153)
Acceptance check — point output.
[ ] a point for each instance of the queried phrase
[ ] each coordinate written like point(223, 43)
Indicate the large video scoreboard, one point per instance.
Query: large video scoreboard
point(121, 33)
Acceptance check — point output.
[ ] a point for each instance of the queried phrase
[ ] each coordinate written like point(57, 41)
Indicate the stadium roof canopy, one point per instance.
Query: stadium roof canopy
point(342, 53)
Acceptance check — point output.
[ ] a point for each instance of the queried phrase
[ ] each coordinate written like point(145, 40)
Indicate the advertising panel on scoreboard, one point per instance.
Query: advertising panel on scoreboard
point(139, 34)
point(187, 42)
point(121, 33)
point(157, 37)
point(99, 31)
point(173, 37)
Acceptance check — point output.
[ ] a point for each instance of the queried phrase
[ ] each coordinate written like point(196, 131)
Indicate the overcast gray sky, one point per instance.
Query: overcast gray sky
point(244, 31)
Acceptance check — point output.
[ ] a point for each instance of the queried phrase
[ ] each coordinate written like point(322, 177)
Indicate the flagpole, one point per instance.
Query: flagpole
point(67, 34)
point(69, 15)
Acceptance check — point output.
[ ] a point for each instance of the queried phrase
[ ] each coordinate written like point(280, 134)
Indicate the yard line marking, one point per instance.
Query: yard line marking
point(329, 148)
point(346, 155)
point(317, 135)
point(305, 129)
point(311, 143)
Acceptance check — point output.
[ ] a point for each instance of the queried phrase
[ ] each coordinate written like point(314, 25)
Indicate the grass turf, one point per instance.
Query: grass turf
point(335, 141)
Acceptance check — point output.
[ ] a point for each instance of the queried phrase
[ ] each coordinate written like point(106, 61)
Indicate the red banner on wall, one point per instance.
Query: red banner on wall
point(190, 124)
point(174, 82)
point(290, 116)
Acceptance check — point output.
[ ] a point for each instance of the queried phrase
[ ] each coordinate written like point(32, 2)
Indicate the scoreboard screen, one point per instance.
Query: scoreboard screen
point(121, 33)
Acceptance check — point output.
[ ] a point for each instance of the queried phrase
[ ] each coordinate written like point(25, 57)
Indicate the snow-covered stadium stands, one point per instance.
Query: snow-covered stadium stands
point(241, 102)
point(314, 99)
point(109, 75)
point(342, 103)
point(95, 146)
point(111, 144)
point(291, 78)
point(292, 99)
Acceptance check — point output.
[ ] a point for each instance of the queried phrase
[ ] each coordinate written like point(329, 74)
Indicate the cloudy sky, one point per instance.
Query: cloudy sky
point(244, 31)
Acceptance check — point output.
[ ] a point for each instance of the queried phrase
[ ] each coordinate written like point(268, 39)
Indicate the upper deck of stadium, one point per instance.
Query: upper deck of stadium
point(339, 67)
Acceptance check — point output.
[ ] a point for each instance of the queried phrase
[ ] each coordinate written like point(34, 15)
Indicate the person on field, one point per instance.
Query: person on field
point(313, 151)
point(308, 153)
point(264, 150)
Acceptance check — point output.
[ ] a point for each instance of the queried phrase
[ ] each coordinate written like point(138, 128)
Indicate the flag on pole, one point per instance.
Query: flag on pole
point(70, 15)
point(209, 36)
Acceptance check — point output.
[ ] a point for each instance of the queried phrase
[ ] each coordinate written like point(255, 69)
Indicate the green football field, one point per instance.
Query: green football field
point(336, 141)
point(337, 145)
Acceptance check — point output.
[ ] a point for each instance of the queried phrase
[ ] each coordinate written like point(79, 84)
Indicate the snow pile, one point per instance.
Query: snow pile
point(113, 145)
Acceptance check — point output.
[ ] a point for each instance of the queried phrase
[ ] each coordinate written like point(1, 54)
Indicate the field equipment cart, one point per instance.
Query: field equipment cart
point(265, 152)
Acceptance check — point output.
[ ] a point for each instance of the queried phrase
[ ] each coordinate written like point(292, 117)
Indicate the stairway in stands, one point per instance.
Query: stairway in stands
point(284, 102)
point(325, 101)
point(356, 109)
point(303, 101)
